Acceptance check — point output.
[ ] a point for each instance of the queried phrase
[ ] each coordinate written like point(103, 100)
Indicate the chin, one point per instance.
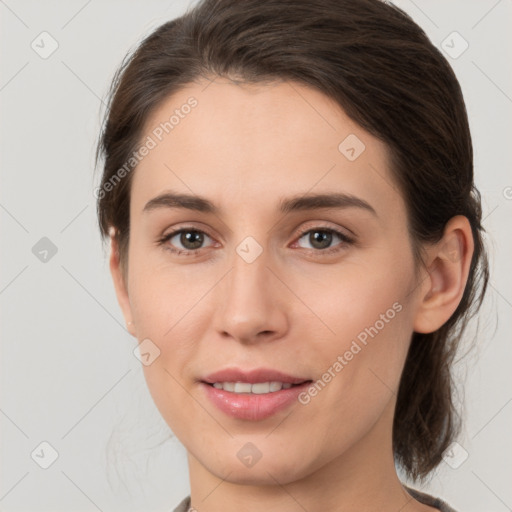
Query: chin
point(266, 471)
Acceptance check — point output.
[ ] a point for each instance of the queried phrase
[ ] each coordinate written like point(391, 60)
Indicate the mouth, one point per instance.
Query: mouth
point(257, 388)
point(255, 376)
point(255, 394)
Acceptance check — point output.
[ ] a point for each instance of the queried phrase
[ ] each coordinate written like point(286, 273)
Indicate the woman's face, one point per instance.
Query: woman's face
point(326, 295)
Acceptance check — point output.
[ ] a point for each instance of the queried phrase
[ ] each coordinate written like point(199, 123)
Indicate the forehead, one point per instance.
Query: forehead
point(257, 143)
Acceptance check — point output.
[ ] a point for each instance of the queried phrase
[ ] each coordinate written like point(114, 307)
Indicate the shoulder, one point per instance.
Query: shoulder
point(183, 506)
point(426, 499)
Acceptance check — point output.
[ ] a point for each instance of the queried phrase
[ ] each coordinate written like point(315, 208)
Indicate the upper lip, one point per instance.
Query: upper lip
point(252, 376)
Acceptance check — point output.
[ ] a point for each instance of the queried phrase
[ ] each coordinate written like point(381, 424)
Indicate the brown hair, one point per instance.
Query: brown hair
point(380, 67)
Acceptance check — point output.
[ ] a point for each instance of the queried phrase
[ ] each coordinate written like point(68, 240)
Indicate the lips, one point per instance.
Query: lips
point(250, 406)
point(252, 376)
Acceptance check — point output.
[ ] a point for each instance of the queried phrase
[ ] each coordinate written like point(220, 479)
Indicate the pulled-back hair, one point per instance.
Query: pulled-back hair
point(380, 67)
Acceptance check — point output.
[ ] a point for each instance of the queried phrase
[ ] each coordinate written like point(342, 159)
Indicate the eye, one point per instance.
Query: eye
point(190, 239)
point(321, 238)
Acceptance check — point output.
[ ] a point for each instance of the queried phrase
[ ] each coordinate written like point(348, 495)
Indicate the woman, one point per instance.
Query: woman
point(296, 244)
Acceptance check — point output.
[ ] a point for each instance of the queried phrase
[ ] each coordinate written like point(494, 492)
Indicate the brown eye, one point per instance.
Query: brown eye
point(321, 239)
point(185, 240)
point(191, 239)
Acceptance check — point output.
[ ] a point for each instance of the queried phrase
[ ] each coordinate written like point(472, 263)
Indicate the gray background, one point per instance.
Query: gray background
point(68, 374)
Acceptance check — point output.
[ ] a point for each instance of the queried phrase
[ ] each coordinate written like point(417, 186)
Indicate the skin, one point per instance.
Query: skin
point(246, 147)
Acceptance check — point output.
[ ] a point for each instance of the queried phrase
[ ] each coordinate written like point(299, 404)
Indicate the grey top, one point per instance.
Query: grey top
point(426, 499)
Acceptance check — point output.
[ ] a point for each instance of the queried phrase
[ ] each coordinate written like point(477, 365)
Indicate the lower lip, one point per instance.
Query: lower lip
point(253, 407)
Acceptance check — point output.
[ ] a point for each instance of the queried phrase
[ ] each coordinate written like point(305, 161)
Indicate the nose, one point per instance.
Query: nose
point(251, 302)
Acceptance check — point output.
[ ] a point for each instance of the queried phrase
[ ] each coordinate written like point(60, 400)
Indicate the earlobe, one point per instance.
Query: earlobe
point(443, 288)
point(120, 285)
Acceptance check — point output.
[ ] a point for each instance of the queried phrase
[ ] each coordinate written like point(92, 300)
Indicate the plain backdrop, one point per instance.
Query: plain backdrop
point(69, 378)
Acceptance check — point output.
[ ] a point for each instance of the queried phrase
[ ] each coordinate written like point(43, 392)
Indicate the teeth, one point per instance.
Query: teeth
point(230, 386)
point(242, 387)
point(257, 389)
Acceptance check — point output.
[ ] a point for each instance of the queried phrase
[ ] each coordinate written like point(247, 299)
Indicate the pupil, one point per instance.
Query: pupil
point(320, 237)
point(193, 238)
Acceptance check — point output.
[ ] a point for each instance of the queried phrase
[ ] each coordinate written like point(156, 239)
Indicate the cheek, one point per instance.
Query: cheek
point(358, 301)
point(168, 308)
point(161, 296)
point(370, 319)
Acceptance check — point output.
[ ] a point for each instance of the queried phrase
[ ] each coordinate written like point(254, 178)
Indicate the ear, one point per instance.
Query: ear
point(448, 266)
point(120, 285)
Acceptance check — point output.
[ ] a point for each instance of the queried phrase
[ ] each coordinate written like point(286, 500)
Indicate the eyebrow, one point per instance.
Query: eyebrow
point(292, 204)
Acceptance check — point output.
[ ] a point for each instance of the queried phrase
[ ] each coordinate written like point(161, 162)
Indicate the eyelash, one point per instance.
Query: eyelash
point(345, 240)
